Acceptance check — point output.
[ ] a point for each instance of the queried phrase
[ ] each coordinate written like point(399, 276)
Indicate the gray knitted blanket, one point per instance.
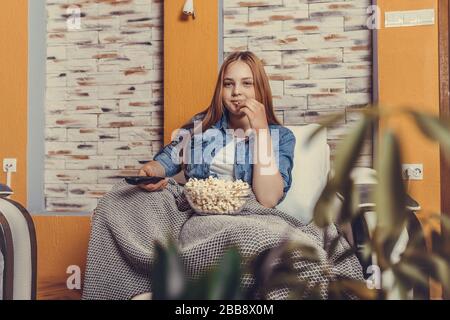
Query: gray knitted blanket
point(128, 221)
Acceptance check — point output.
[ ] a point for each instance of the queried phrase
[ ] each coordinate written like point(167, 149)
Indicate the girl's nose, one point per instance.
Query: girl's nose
point(236, 91)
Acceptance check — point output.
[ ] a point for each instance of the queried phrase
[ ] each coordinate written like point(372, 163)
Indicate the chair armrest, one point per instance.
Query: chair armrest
point(5, 191)
point(22, 248)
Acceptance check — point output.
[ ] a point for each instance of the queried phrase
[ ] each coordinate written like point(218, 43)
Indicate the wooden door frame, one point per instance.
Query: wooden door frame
point(444, 105)
point(444, 110)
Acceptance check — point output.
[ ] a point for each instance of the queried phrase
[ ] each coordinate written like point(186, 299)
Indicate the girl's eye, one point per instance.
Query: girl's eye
point(227, 84)
point(248, 83)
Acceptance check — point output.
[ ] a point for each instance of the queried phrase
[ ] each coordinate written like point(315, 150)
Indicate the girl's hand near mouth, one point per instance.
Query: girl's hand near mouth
point(256, 113)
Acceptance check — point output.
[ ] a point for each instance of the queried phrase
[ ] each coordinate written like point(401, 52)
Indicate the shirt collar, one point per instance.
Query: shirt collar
point(222, 124)
point(223, 121)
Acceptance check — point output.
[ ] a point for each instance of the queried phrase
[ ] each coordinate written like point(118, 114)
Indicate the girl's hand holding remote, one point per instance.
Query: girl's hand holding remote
point(152, 169)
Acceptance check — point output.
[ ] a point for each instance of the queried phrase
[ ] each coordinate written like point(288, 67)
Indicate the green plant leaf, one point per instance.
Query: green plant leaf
point(432, 265)
point(262, 267)
point(346, 156)
point(197, 289)
point(159, 273)
point(345, 287)
point(285, 280)
point(441, 271)
point(350, 204)
point(349, 150)
point(443, 218)
point(314, 292)
point(410, 274)
point(224, 282)
point(299, 291)
point(434, 128)
point(390, 197)
point(331, 248)
point(345, 255)
point(325, 208)
point(441, 240)
point(304, 251)
point(324, 123)
point(168, 278)
point(371, 111)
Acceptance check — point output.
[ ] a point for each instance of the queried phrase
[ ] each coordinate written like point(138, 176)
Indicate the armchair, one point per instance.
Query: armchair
point(17, 252)
point(309, 176)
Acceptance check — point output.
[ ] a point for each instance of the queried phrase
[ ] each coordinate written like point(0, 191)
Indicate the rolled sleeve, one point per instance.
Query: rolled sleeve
point(165, 160)
point(170, 155)
point(285, 157)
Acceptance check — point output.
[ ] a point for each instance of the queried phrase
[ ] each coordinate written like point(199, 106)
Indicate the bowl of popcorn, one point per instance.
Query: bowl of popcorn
point(216, 196)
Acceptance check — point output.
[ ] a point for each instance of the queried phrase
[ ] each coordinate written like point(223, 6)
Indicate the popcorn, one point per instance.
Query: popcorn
point(216, 196)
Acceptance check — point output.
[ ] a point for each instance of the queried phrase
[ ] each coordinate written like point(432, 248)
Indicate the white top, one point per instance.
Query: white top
point(223, 162)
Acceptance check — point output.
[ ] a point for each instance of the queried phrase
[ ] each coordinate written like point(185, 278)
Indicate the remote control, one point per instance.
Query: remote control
point(137, 180)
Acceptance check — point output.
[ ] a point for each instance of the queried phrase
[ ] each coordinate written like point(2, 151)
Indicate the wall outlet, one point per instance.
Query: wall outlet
point(412, 171)
point(9, 165)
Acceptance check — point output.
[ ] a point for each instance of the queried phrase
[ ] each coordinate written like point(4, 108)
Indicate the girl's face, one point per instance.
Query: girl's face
point(238, 85)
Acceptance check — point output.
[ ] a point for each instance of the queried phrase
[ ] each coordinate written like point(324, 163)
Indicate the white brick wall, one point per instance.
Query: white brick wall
point(104, 97)
point(317, 54)
point(105, 88)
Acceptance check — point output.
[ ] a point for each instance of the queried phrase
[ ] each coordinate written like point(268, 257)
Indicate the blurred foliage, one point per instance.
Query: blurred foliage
point(274, 268)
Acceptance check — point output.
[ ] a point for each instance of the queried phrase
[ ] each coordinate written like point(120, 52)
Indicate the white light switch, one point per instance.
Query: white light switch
point(409, 18)
point(426, 17)
point(393, 19)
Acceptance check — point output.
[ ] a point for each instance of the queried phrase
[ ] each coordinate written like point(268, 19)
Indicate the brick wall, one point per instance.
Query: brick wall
point(104, 103)
point(104, 96)
point(317, 54)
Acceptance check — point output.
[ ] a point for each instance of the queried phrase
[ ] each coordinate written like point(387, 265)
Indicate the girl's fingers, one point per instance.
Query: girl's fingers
point(155, 187)
point(246, 111)
point(250, 107)
point(160, 184)
point(148, 171)
point(146, 187)
point(253, 105)
point(249, 112)
point(165, 184)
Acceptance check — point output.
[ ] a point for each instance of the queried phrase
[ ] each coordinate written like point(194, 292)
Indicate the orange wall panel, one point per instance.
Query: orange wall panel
point(62, 242)
point(13, 91)
point(408, 69)
point(190, 61)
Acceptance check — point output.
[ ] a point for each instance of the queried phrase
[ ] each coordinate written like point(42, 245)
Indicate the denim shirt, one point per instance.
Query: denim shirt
point(203, 146)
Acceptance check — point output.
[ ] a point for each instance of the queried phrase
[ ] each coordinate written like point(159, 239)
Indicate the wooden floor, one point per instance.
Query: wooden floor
point(62, 242)
point(56, 290)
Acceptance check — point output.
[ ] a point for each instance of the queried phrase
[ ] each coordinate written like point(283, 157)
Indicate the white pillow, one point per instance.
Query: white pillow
point(310, 172)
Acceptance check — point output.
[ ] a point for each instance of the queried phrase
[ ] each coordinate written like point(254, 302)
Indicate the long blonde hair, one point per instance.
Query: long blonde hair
point(263, 93)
